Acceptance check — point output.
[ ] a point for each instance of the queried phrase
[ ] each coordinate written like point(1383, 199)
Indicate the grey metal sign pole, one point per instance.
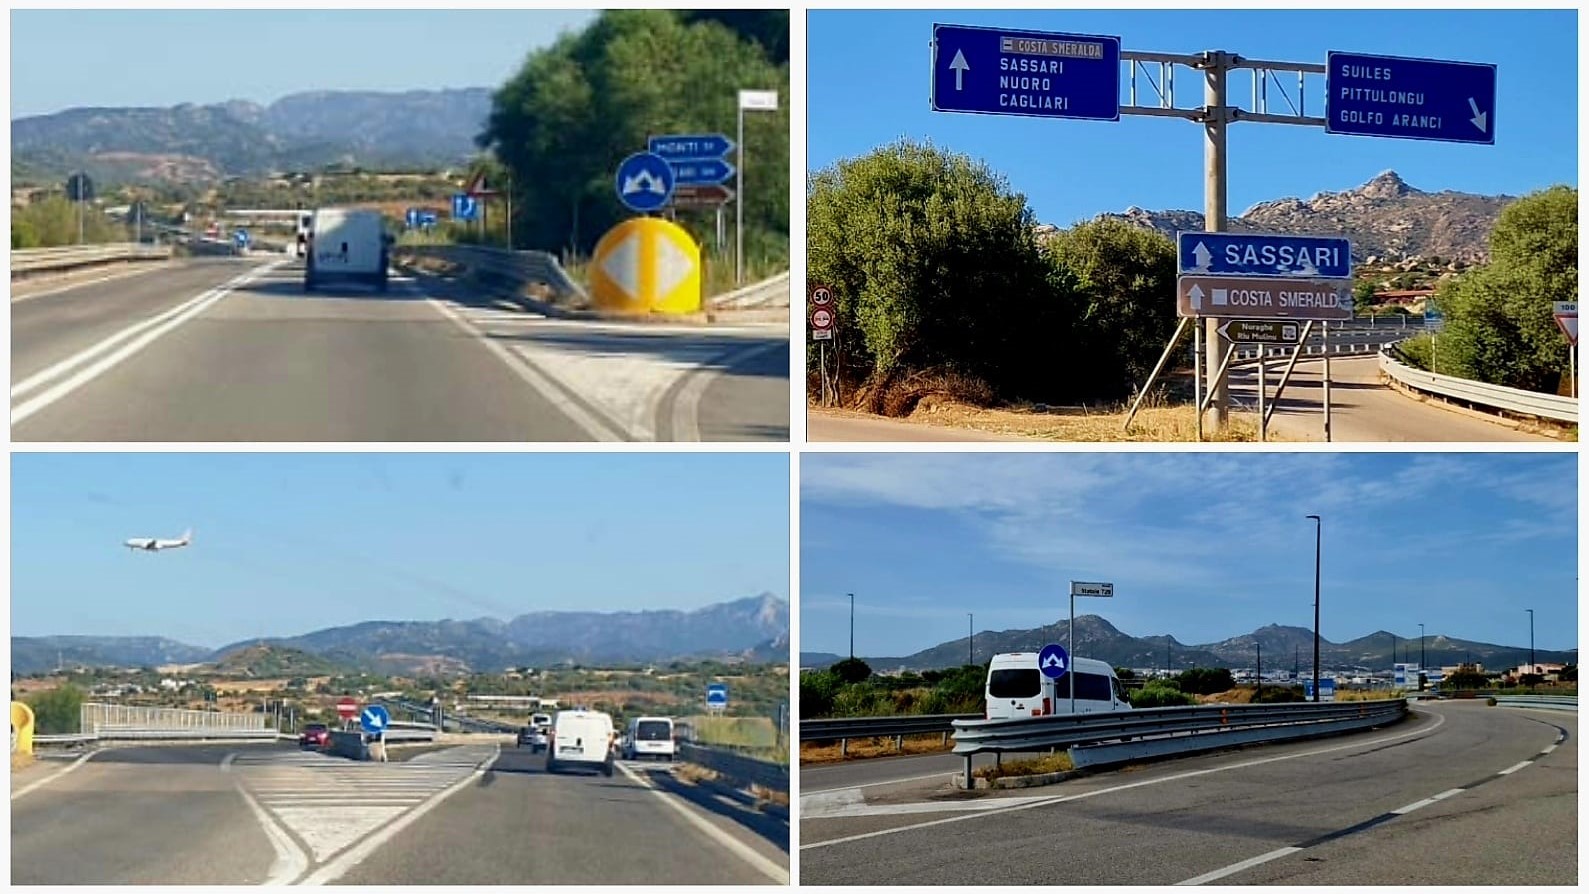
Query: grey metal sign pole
point(1215, 169)
point(739, 202)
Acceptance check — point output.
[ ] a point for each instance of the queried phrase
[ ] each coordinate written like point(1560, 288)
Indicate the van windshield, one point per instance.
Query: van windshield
point(1015, 682)
point(653, 731)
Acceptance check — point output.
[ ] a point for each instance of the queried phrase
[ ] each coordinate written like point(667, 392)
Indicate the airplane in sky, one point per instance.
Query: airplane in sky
point(155, 544)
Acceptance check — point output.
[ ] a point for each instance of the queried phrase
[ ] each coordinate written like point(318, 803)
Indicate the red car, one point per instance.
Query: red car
point(314, 735)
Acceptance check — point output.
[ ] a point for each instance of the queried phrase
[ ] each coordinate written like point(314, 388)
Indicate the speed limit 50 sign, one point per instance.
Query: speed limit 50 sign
point(821, 310)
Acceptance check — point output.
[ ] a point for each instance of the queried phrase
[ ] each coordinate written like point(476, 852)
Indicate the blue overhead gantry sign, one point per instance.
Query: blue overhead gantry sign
point(1413, 99)
point(1007, 71)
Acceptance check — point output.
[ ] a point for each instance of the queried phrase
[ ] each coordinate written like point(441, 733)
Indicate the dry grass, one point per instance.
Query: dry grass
point(882, 746)
point(1050, 763)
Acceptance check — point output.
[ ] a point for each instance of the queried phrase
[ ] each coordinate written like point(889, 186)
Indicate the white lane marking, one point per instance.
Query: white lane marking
point(1416, 805)
point(1514, 768)
point(1060, 799)
point(778, 874)
point(352, 857)
point(1548, 749)
point(142, 336)
point(18, 299)
point(532, 376)
point(841, 788)
point(1234, 868)
point(687, 403)
point(291, 861)
point(53, 776)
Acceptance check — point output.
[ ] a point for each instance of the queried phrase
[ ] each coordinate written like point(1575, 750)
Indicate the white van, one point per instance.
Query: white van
point(1016, 688)
point(581, 738)
point(346, 245)
point(649, 737)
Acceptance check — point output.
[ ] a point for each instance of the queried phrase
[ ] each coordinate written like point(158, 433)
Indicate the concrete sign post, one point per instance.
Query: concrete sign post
point(1080, 588)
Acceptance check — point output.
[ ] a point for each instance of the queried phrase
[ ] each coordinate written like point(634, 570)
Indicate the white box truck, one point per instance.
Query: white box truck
point(346, 245)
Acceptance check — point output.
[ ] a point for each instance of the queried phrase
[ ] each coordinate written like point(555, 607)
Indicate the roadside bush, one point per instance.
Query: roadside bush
point(851, 670)
point(1205, 680)
point(817, 692)
point(57, 711)
point(1157, 694)
point(1273, 695)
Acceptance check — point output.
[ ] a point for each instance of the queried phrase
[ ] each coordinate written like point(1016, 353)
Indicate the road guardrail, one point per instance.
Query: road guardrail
point(844, 729)
point(1551, 702)
point(743, 770)
point(1496, 397)
point(27, 261)
point(769, 293)
point(516, 268)
point(1157, 732)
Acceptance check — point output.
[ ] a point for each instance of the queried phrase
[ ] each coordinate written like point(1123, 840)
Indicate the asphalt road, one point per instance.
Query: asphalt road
point(232, 350)
point(252, 814)
point(1461, 794)
point(1362, 408)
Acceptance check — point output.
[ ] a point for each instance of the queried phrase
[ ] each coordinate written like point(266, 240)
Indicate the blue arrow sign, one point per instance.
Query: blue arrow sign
point(1053, 661)
point(645, 181)
point(704, 171)
point(1006, 71)
point(1264, 254)
point(717, 695)
point(465, 206)
point(1414, 99)
point(374, 719)
point(683, 147)
point(241, 238)
point(427, 218)
point(411, 217)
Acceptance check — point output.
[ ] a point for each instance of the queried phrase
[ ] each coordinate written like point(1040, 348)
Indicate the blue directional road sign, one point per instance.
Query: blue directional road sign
point(1053, 661)
point(1264, 254)
point(374, 719)
point(1326, 689)
point(717, 695)
point(240, 238)
point(702, 172)
point(411, 218)
point(645, 181)
point(684, 147)
point(427, 218)
point(1005, 71)
point(465, 206)
point(1414, 99)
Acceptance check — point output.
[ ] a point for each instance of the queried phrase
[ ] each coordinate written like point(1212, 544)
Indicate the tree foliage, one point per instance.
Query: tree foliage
point(52, 221)
point(935, 265)
point(1499, 323)
point(851, 670)
point(57, 711)
point(576, 109)
point(1205, 680)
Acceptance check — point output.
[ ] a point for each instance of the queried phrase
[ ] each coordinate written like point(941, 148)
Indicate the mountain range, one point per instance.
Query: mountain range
point(1386, 218)
point(753, 629)
point(203, 143)
point(1097, 638)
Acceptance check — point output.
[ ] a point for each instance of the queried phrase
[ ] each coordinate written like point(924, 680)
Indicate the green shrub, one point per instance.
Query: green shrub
point(1158, 695)
point(1272, 695)
point(1205, 680)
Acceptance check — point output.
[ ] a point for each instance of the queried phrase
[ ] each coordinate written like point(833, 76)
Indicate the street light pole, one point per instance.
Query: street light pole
point(1530, 640)
point(971, 639)
point(852, 626)
point(1318, 548)
point(1423, 657)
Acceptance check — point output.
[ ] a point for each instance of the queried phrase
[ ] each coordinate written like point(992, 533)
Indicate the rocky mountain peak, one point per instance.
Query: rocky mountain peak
point(1387, 185)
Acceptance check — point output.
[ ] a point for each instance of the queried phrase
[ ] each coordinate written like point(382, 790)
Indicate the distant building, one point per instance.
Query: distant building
point(1551, 672)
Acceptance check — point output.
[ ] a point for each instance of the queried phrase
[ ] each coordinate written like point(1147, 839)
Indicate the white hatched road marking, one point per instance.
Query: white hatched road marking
point(331, 803)
point(621, 368)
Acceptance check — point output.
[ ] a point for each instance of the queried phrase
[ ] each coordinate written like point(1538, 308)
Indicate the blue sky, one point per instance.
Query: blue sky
point(287, 543)
point(1461, 542)
point(869, 73)
point(66, 58)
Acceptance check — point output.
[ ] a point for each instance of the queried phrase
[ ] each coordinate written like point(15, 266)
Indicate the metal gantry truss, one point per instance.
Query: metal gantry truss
point(1267, 76)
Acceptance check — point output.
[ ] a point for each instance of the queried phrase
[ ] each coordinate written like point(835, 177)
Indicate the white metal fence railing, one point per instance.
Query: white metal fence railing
point(33, 260)
point(1499, 397)
point(96, 717)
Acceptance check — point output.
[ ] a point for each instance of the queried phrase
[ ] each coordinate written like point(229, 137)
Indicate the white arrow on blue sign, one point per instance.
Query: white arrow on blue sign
point(1412, 99)
point(465, 206)
point(702, 171)
point(411, 218)
point(240, 237)
point(684, 147)
point(374, 719)
point(1007, 71)
point(645, 181)
point(1053, 661)
point(1264, 254)
point(717, 694)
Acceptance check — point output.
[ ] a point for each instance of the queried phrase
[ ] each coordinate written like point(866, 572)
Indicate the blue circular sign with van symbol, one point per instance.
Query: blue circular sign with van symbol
point(1053, 661)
